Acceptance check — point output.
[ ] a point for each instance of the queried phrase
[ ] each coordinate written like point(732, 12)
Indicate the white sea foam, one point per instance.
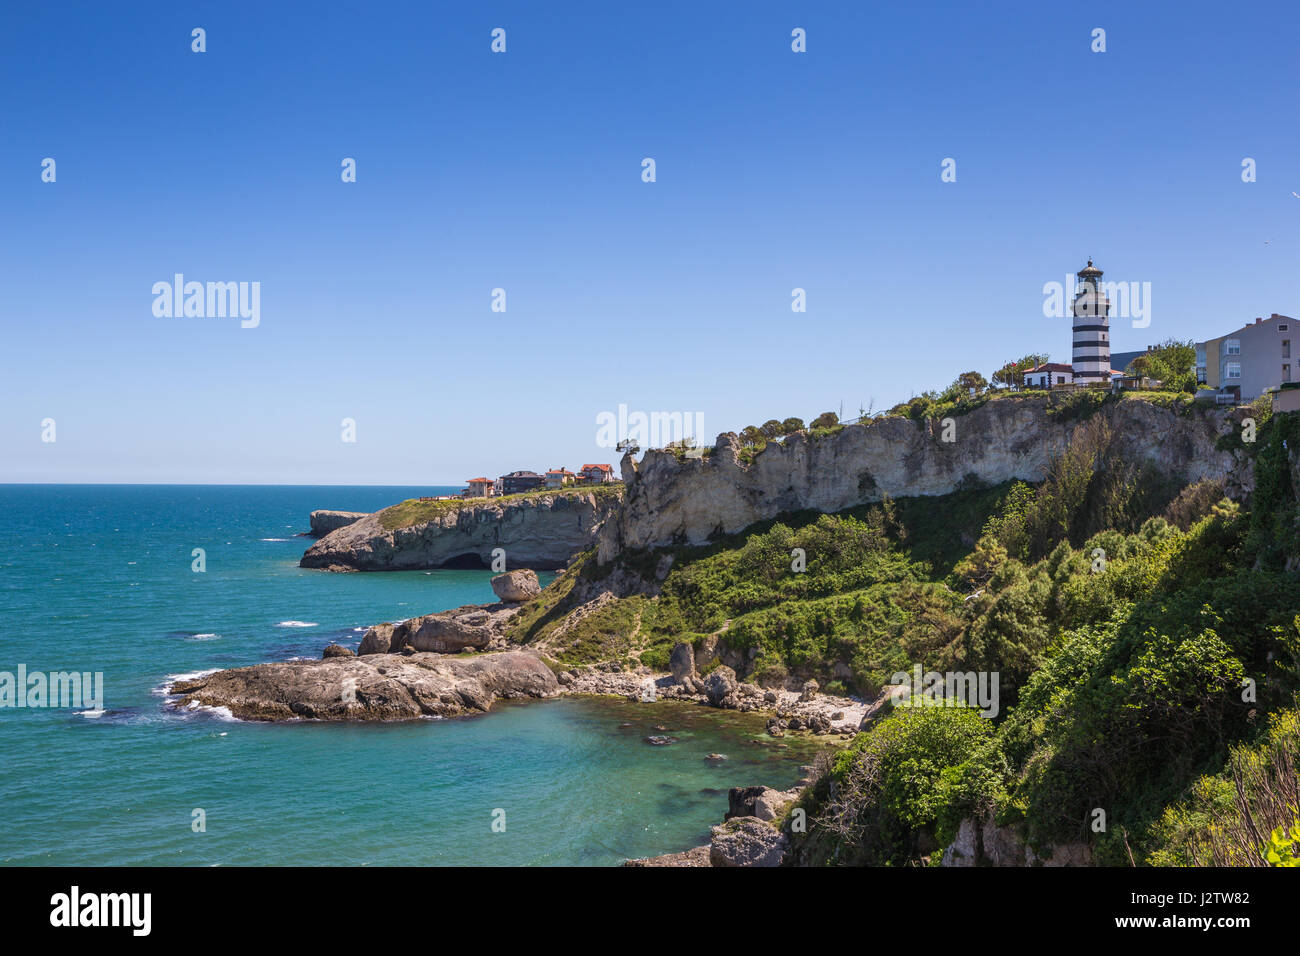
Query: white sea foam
point(275, 539)
point(165, 688)
point(90, 714)
point(297, 624)
point(221, 713)
point(203, 637)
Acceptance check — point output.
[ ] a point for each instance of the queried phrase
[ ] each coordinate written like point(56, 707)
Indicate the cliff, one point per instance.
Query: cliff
point(538, 530)
point(684, 501)
point(323, 522)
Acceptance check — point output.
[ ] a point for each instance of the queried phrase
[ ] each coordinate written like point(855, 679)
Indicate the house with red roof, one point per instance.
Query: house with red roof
point(559, 477)
point(479, 488)
point(598, 473)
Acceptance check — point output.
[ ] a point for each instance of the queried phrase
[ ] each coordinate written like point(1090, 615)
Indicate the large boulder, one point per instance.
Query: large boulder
point(721, 687)
point(474, 627)
point(747, 841)
point(378, 639)
point(764, 803)
point(516, 586)
point(682, 663)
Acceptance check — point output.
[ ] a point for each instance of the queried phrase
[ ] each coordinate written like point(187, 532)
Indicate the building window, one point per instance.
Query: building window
point(1060, 380)
point(1281, 328)
point(1232, 347)
point(1286, 372)
point(1286, 348)
point(1232, 370)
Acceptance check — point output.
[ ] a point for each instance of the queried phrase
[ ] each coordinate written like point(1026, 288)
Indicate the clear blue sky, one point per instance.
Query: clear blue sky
point(523, 171)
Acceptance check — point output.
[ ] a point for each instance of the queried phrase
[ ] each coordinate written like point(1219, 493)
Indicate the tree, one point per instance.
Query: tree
point(971, 383)
point(1013, 373)
point(771, 429)
point(792, 425)
point(825, 420)
point(1172, 363)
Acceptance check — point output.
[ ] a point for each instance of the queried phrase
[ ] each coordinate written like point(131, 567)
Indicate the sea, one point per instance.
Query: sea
point(105, 579)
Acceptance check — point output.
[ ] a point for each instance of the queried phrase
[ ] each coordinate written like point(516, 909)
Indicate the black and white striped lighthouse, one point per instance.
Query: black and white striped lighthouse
point(1091, 310)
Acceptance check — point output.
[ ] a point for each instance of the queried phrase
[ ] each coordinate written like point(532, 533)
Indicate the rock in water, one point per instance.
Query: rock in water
point(517, 586)
point(372, 687)
point(337, 650)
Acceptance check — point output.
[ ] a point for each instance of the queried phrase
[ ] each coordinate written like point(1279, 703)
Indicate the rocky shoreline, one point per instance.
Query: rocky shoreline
point(459, 661)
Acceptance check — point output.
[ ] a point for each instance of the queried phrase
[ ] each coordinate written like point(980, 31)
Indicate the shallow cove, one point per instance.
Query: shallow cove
point(98, 578)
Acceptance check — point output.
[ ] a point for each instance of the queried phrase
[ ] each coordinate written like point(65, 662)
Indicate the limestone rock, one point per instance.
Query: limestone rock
point(720, 687)
point(516, 586)
point(763, 803)
point(337, 650)
point(810, 688)
point(682, 663)
point(323, 522)
point(669, 500)
point(378, 639)
point(541, 532)
point(474, 626)
point(746, 841)
point(696, 857)
point(373, 687)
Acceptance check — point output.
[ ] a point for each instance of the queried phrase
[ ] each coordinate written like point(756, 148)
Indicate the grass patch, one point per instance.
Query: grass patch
point(413, 511)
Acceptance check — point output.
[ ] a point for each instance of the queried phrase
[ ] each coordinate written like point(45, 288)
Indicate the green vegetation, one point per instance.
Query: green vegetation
point(1145, 637)
point(1172, 363)
point(416, 511)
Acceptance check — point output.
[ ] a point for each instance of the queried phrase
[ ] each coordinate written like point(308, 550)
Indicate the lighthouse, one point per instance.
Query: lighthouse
point(1091, 311)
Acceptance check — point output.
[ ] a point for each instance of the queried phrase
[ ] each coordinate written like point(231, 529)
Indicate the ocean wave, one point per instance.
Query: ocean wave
point(165, 688)
point(297, 624)
point(208, 710)
point(275, 539)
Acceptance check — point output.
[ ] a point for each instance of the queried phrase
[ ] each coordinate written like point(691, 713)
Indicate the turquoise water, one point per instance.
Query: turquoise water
point(99, 579)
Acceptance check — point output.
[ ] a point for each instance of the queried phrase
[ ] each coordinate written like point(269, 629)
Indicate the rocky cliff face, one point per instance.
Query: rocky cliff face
point(323, 522)
point(541, 532)
point(685, 501)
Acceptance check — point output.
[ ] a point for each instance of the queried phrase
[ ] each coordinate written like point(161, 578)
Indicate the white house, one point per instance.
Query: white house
point(1049, 375)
